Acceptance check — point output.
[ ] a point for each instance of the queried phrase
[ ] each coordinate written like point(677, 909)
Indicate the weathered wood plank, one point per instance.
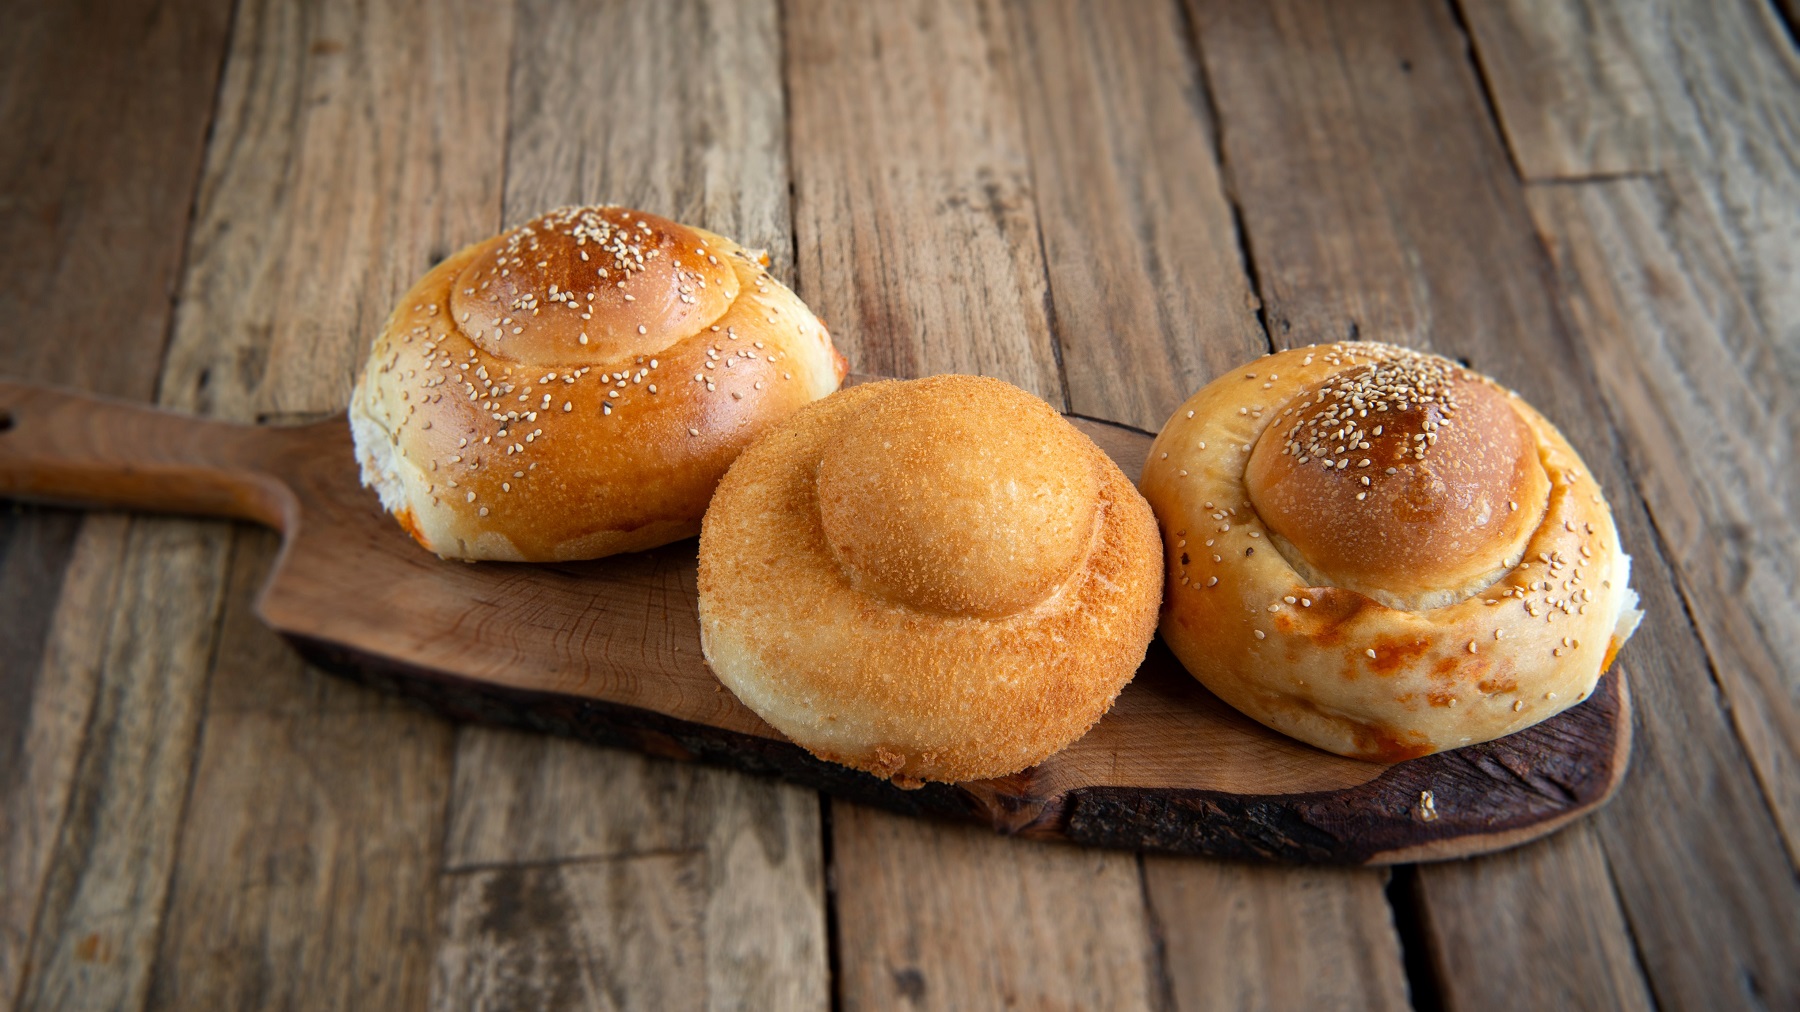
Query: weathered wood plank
point(1718, 83)
point(355, 144)
point(36, 545)
point(1241, 937)
point(1152, 299)
point(1308, 94)
point(94, 193)
point(934, 916)
point(1711, 424)
point(1572, 98)
point(924, 264)
point(106, 105)
point(557, 823)
point(576, 935)
point(646, 126)
point(98, 921)
point(55, 706)
point(1495, 925)
point(306, 871)
point(930, 262)
point(1146, 276)
point(526, 800)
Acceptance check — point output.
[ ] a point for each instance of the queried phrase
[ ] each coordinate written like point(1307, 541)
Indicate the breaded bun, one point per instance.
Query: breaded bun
point(1381, 553)
point(939, 579)
point(577, 386)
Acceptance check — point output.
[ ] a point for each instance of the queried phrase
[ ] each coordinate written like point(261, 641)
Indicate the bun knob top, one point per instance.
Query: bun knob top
point(959, 495)
point(1404, 478)
point(592, 283)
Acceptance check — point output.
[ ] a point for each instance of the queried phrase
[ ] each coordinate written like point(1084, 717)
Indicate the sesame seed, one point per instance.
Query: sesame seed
point(1261, 635)
point(1370, 652)
point(693, 432)
point(1212, 581)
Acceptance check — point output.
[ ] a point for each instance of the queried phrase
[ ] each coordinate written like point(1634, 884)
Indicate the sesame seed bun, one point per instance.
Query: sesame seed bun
point(1383, 554)
point(939, 579)
point(577, 386)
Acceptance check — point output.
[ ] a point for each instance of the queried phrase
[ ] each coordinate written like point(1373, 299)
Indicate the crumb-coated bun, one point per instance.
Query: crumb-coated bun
point(1383, 554)
point(577, 386)
point(938, 579)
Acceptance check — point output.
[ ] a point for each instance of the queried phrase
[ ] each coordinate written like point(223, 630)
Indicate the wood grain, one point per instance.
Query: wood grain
point(1237, 937)
point(97, 181)
point(703, 145)
point(1518, 915)
point(1349, 81)
point(100, 916)
point(1044, 926)
point(291, 890)
point(1146, 276)
point(756, 902)
point(53, 725)
point(1569, 90)
point(1694, 385)
point(617, 933)
point(94, 190)
point(687, 120)
point(932, 262)
point(1721, 80)
point(354, 145)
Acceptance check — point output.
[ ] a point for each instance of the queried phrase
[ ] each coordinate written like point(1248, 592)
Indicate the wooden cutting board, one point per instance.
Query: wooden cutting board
point(609, 651)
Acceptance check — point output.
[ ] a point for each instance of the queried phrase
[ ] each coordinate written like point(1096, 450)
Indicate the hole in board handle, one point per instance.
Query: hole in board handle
point(6, 420)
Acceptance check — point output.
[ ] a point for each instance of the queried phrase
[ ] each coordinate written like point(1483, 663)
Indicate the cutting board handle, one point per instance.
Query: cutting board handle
point(63, 447)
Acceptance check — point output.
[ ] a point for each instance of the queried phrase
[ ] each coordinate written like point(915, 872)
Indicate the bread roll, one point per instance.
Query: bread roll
point(939, 579)
point(577, 386)
point(1384, 554)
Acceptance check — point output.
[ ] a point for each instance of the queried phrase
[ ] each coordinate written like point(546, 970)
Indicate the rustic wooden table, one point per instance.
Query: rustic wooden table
point(211, 205)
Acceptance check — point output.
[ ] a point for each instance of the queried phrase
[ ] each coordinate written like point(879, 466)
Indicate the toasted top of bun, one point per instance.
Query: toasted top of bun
point(1402, 477)
point(939, 579)
point(960, 496)
point(577, 386)
point(1426, 615)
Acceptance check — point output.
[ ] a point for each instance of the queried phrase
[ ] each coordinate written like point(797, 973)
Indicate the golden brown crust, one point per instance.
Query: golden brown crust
point(1399, 477)
point(911, 508)
point(1331, 665)
point(917, 680)
point(521, 405)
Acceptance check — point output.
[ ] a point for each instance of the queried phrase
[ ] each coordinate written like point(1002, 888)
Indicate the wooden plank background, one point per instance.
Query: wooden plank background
point(211, 205)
